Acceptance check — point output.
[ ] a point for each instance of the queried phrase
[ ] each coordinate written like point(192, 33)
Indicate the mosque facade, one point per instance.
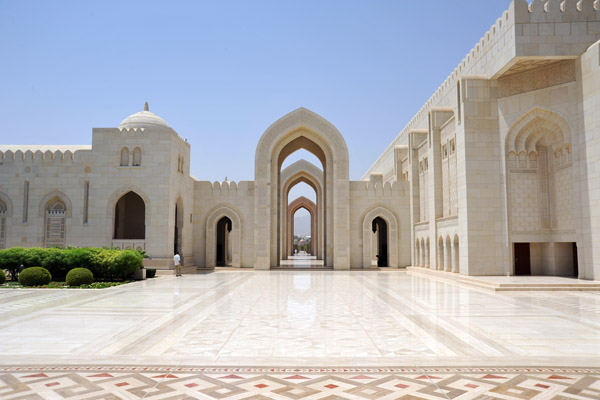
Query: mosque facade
point(497, 174)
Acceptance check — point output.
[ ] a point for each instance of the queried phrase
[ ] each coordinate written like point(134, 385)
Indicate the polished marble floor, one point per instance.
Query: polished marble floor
point(299, 319)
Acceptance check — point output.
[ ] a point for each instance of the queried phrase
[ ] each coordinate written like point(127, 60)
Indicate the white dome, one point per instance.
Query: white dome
point(143, 119)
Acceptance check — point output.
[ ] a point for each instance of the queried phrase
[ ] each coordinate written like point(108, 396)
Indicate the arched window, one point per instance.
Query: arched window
point(3, 212)
point(55, 229)
point(130, 217)
point(124, 157)
point(137, 157)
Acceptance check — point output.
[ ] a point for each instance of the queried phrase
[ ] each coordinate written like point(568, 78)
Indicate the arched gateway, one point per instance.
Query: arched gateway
point(301, 129)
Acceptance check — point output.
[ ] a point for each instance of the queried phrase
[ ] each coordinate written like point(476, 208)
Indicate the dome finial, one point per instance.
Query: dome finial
point(146, 108)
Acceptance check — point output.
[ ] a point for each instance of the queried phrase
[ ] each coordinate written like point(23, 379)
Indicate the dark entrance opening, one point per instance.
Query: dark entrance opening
point(380, 228)
point(130, 217)
point(522, 259)
point(223, 242)
point(575, 262)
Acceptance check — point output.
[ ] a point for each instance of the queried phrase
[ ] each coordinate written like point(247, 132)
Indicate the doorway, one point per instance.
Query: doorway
point(380, 229)
point(224, 227)
point(522, 259)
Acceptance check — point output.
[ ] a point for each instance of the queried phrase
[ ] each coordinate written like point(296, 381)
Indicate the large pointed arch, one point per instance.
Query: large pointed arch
point(307, 130)
point(393, 224)
point(219, 211)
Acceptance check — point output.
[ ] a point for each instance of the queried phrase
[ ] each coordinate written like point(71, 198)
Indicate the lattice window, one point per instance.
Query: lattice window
point(3, 212)
point(55, 233)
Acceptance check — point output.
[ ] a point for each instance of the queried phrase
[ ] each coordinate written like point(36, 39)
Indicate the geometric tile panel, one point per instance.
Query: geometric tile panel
point(254, 383)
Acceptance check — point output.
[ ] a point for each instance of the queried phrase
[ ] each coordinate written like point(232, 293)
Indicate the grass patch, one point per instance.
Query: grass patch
point(63, 285)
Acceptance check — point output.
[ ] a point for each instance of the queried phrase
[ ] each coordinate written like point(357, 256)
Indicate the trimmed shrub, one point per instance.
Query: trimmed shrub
point(150, 272)
point(12, 259)
point(124, 263)
point(104, 263)
point(2, 277)
point(80, 276)
point(35, 276)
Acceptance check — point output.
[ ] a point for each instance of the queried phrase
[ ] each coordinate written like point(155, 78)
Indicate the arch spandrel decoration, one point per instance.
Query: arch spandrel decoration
point(393, 223)
point(213, 217)
point(298, 127)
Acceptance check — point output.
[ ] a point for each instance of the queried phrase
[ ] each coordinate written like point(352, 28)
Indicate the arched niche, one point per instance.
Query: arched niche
point(305, 172)
point(393, 226)
point(308, 205)
point(301, 129)
point(212, 220)
point(130, 217)
point(111, 206)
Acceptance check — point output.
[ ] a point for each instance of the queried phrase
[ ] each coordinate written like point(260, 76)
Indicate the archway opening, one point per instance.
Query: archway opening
point(380, 229)
point(302, 231)
point(130, 217)
point(224, 254)
point(178, 234)
point(302, 213)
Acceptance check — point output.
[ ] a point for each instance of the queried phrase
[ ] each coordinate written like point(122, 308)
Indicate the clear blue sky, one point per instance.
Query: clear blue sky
point(221, 72)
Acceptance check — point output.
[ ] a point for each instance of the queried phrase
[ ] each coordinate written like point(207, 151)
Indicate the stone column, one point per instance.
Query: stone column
point(481, 208)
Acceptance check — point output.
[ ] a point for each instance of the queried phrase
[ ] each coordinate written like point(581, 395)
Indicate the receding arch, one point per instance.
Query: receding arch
point(393, 226)
point(212, 220)
point(306, 172)
point(301, 129)
point(130, 217)
point(308, 205)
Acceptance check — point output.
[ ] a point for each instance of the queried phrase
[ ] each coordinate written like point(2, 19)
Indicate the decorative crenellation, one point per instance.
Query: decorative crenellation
point(519, 12)
point(227, 188)
point(38, 155)
point(379, 189)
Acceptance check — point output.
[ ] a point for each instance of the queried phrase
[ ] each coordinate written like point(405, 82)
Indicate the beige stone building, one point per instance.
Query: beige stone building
point(497, 174)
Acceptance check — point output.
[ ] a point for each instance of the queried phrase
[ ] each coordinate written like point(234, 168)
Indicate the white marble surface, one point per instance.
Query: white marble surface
point(303, 318)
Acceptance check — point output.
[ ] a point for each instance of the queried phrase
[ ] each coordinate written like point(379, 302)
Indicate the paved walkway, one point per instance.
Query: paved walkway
point(300, 319)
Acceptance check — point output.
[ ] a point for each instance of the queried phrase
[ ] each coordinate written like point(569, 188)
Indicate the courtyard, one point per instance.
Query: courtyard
point(298, 334)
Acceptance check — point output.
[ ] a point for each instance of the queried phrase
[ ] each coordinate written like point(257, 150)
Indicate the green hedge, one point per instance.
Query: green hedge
point(35, 276)
point(2, 277)
point(105, 264)
point(79, 276)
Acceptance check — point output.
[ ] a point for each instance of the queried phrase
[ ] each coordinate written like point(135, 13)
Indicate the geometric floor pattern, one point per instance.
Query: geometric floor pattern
point(130, 382)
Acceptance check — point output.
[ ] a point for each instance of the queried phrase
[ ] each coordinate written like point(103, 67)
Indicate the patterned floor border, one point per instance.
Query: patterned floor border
point(327, 383)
